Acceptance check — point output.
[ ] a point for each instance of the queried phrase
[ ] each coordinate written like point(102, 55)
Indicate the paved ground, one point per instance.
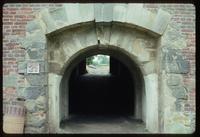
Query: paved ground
point(105, 125)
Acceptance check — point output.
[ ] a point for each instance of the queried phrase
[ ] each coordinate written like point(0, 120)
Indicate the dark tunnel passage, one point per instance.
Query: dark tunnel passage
point(111, 94)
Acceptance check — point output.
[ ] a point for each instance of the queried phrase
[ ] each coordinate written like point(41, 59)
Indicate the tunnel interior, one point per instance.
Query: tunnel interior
point(111, 94)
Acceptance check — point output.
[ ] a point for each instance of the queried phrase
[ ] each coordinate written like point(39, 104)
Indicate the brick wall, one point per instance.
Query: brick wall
point(183, 15)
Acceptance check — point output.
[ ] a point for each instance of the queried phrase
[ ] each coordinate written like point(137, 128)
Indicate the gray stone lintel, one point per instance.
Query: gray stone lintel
point(132, 14)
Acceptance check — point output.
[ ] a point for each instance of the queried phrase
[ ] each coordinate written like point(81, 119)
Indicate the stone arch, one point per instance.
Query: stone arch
point(122, 57)
point(124, 40)
point(144, 36)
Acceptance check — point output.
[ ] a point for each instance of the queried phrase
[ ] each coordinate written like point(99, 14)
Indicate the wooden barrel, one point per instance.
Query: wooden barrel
point(13, 119)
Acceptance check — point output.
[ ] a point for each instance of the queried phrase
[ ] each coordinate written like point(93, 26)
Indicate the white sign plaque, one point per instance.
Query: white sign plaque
point(33, 67)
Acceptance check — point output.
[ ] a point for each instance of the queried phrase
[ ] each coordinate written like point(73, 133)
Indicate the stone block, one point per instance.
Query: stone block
point(36, 54)
point(183, 66)
point(178, 67)
point(133, 14)
point(40, 45)
point(98, 12)
point(34, 130)
point(73, 13)
point(21, 67)
point(103, 33)
point(173, 80)
point(30, 105)
point(173, 38)
point(25, 42)
point(179, 92)
point(178, 105)
point(139, 16)
point(41, 102)
point(21, 91)
point(48, 20)
point(54, 67)
point(117, 36)
point(86, 12)
point(177, 127)
point(173, 61)
point(119, 12)
point(33, 25)
point(10, 81)
point(103, 12)
point(37, 79)
point(43, 66)
point(33, 39)
point(149, 67)
point(33, 92)
point(161, 21)
point(177, 122)
point(107, 12)
point(59, 14)
point(37, 119)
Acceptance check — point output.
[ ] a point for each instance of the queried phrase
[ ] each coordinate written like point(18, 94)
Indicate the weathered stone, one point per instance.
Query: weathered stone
point(161, 21)
point(173, 61)
point(103, 33)
point(10, 81)
point(33, 92)
point(177, 127)
point(173, 38)
point(21, 91)
point(139, 16)
point(98, 12)
point(30, 105)
point(36, 54)
point(54, 67)
point(173, 80)
point(183, 66)
point(37, 37)
point(33, 25)
point(87, 12)
point(34, 130)
point(178, 105)
point(149, 67)
point(37, 79)
point(25, 43)
point(59, 14)
point(178, 66)
point(41, 103)
point(107, 12)
point(43, 66)
point(21, 67)
point(73, 13)
point(50, 23)
point(119, 12)
point(36, 119)
point(40, 45)
point(179, 92)
point(177, 123)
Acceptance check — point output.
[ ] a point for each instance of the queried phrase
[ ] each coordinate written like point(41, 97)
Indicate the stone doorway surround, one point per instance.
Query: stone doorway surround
point(56, 37)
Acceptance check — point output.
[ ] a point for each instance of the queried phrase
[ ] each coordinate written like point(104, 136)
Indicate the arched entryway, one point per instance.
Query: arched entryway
point(143, 36)
point(129, 47)
point(101, 94)
point(119, 94)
